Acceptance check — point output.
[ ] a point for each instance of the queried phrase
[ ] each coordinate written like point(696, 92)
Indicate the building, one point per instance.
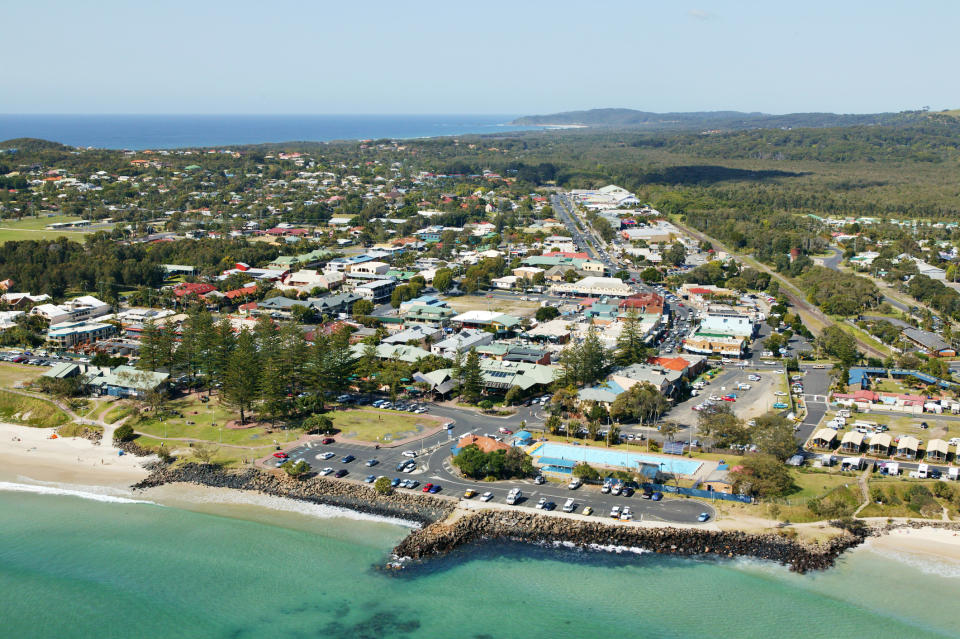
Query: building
point(377, 292)
point(929, 343)
point(879, 444)
point(727, 323)
point(69, 334)
point(594, 287)
point(824, 438)
point(487, 320)
point(462, 342)
point(908, 447)
point(852, 442)
point(76, 310)
point(333, 304)
point(122, 381)
point(715, 344)
point(305, 280)
point(484, 443)
point(937, 450)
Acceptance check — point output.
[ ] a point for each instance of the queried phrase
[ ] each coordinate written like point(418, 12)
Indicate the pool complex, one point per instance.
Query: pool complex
point(613, 457)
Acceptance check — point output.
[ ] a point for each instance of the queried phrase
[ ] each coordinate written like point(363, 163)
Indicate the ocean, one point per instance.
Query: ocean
point(173, 131)
point(76, 565)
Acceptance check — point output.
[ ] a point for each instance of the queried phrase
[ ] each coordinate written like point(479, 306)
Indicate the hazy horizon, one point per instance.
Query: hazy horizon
point(378, 58)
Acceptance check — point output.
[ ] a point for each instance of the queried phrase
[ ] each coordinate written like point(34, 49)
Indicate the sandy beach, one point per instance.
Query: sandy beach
point(922, 543)
point(29, 454)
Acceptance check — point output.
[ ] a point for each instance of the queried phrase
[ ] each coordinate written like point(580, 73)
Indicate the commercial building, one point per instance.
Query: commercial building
point(69, 334)
point(594, 287)
point(377, 292)
point(705, 343)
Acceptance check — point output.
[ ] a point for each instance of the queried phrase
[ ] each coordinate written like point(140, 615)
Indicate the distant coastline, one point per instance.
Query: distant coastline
point(136, 132)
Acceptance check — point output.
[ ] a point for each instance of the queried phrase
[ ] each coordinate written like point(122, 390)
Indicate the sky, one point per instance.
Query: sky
point(518, 57)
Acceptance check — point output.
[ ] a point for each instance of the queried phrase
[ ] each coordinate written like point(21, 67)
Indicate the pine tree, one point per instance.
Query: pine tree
point(630, 347)
point(149, 346)
point(241, 381)
point(472, 378)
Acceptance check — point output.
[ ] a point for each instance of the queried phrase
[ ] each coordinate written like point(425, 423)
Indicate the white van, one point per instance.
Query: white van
point(923, 471)
point(569, 505)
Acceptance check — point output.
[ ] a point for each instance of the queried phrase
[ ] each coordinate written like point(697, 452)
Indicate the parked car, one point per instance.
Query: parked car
point(346, 459)
point(427, 487)
point(487, 496)
point(434, 489)
point(469, 493)
point(326, 455)
point(326, 471)
point(341, 473)
point(327, 440)
point(588, 510)
point(540, 503)
point(370, 479)
point(549, 505)
point(615, 512)
point(657, 496)
point(371, 462)
point(703, 517)
point(409, 453)
point(280, 455)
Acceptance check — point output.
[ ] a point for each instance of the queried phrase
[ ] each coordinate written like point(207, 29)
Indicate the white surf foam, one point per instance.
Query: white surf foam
point(937, 566)
point(69, 492)
point(322, 511)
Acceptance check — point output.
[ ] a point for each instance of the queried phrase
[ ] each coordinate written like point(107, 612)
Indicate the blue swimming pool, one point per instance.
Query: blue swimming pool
point(615, 457)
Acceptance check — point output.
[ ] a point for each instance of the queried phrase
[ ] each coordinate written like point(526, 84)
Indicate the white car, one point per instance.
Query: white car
point(409, 453)
point(410, 468)
point(615, 512)
point(487, 496)
point(542, 501)
point(326, 455)
point(626, 515)
point(326, 471)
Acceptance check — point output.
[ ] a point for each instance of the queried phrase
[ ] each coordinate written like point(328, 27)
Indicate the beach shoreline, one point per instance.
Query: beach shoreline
point(27, 452)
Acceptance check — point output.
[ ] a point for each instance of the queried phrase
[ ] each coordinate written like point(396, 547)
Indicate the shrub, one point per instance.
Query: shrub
point(382, 486)
point(123, 433)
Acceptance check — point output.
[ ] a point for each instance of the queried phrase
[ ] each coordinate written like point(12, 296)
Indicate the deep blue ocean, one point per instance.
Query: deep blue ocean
point(172, 131)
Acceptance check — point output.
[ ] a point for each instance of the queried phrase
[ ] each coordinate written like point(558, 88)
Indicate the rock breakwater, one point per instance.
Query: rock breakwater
point(492, 525)
point(418, 507)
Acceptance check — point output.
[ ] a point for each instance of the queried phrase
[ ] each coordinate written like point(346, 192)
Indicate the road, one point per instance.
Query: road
point(434, 455)
point(833, 263)
point(795, 296)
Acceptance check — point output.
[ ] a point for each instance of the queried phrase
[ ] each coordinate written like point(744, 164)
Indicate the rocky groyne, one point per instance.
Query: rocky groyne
point(442, 534)
point(411, 506)
point(510, 525)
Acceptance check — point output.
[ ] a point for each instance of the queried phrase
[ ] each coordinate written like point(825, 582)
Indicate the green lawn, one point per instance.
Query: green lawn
point(10, 374)
point(30, 411)
point(32, 228)
point(818, 484)
point(372, 425)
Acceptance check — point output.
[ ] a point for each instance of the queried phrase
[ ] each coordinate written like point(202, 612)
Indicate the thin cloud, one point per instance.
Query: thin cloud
point(700, 14)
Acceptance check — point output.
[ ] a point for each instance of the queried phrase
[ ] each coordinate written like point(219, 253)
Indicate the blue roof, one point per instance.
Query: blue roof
point(857, 375)
point(522, 434)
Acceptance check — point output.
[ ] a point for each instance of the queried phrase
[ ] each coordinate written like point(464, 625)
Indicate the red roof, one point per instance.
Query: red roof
point(671, 363)
point(192, 288)
point(238, 292)
point(582, 256)
point(701, 291)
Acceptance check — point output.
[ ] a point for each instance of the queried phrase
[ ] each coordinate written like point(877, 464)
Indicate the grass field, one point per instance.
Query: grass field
point(11, 374)
point(515, 307)
point(371, 425)
point(32, 228)
point(909, 425)
point(818, 484)
point(30, 411)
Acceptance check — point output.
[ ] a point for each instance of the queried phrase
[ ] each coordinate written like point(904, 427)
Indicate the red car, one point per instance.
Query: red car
point(728, 399)
point(280, 455)
point(427, 487)
point(326, 440)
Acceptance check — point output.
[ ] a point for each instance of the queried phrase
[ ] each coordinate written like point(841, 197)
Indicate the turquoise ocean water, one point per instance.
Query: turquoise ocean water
point(72, 567)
